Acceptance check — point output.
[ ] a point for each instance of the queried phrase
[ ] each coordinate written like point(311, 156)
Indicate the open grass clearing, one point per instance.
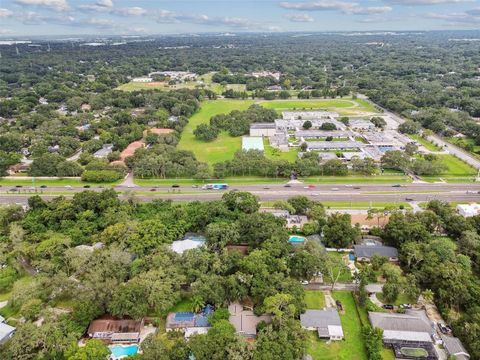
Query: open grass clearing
point(353, 347)
point(314, 299)
point(401, 299)
point(277, 154)
point(456, 167)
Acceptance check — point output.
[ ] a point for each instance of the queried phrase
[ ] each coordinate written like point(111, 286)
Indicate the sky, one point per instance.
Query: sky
point(151, 17)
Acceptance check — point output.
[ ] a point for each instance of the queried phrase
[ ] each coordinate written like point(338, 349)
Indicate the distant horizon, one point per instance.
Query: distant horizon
point(122, 17)
point(230, 33)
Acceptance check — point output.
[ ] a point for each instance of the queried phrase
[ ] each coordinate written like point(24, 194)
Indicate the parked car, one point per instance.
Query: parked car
point(444, 329)
point(405, 306)
point(339, 304)
point(304, 282)
point(388, 307)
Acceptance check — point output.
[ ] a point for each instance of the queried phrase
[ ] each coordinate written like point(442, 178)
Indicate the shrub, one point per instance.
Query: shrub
point(97, 176)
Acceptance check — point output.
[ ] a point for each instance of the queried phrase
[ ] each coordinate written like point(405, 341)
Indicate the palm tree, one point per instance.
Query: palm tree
point(428, 296)
point(197, 303)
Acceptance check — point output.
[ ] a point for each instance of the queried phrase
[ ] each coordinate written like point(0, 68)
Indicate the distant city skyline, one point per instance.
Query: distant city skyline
point(122, 17)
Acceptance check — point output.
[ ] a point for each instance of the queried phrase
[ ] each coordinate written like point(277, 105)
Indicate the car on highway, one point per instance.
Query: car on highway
point(68, 186)
point(266, 188)
point(335, 189)
point(130, 186)
point(153, 189)
point(13, 189)
point(287, 185)
point(397, 185)
point(86, 186)
point(472, 192)
point(356, 187)
point(348, 185)
point(43, 186)
point(195, 186)
point(18, 186)
point(388, 307)
point(101, 187)
point(311, 186)
point(175, 186)
point(408, 199)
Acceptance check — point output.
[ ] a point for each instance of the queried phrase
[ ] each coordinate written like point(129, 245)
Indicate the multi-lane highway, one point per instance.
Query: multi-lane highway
point(344, 193)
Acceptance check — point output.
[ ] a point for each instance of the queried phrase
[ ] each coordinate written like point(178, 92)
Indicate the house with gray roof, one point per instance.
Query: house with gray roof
point(412, 328)
point(366, 252)
point(326, 322)
point(6, 332)
point(104, 151)
point(454, 347)
point(263, 129)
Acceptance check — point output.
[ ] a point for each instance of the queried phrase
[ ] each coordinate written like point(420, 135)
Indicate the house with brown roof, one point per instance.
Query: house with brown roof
point(244, 320)
point(112, 330)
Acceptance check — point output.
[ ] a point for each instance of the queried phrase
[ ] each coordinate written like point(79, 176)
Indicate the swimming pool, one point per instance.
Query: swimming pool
point(296, 239)
point(122, 351)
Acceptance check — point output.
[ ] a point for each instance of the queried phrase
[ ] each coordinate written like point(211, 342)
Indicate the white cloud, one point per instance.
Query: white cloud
point(428, 2)
point(5, 31)
point(131, 11)
point(469, 17)
point(57, 5)
point(333, 5)
point(5, 13)
point(298, 17)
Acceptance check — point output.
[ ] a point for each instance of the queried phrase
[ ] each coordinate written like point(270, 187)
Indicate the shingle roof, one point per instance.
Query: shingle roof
point(368, 251)
point(320, 318)
point(412, 321)
point(454, 346)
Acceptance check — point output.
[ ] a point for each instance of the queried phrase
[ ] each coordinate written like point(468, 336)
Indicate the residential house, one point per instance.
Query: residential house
point(326, 322)
point(412, 329)
point(189, 323)
point(6, 331)
point(112, 330)
point(468, 210)
point(190, 241)
point(244, 320)
point(366, 252)
point(454, 347)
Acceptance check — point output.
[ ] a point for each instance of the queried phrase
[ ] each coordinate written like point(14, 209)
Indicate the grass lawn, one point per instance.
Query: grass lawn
point(224, 146)
point(185, 305)
point(314, 299)
point(362, 204)
point(276, 154)
point(352, 347)
point(231, 181)
point(308, 104)
point(402, 299)
point(427, 144)
point(359, 180)
point(52, 182)
point(456, 166)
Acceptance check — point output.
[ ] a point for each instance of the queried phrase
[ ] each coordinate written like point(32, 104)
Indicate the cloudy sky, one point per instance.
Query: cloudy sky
point(105, 17)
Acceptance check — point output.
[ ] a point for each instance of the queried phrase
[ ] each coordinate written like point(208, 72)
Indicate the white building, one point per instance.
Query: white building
point(142, 79)
point(468, 210)
point(263, 129)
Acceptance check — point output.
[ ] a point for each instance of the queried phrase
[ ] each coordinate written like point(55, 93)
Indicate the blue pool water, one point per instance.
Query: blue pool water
point(184, 316)
point(119, 351)
point(296, 239)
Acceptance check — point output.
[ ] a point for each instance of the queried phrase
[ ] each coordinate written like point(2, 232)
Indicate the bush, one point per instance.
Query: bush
point(98, 176)
point(206, 132)
point(31, 309)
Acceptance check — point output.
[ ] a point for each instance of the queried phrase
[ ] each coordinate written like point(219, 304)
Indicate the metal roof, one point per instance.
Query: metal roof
point(262, 126)
point(335, 144)
point(454, 346)
point(412, 321)
point(320, 318)
point(252, 143)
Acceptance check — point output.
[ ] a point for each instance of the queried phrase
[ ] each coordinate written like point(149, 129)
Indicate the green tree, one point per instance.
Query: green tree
point(93, 350)
point(338, 231)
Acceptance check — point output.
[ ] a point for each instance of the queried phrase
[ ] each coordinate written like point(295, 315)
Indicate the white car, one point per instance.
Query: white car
point(68, 186)
point(335, 189)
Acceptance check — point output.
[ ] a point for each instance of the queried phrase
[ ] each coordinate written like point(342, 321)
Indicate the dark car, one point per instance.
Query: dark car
point(86, 186)
point(444, 328)
point(287, 185)
point(397, 185)
point(388, 307)
point(152, 189)
point(43, 186)
point(339, 304)
point(18, 186)
point(175, 186)
point(408, 199)
point(356, 187)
